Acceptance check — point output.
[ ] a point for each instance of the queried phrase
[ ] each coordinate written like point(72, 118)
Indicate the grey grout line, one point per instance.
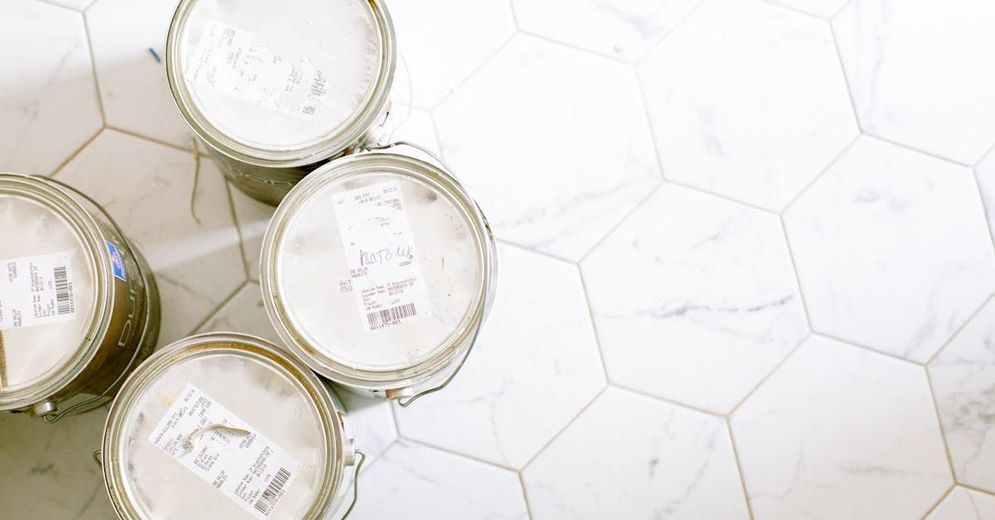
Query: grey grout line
point(565, 427)
point(726, 198)
point(514, 14)
point(976, 489)
point(525, 495)
point(794, 9)
point(775, 369)
point(939, 425)
point(794, 270)
point(984, 207)
point(574, 47)
point(672, 402)
point(988, 153)
point(65, 162)
point(940, 501)
point(219, 306)
point(455, 453)
point(155, 140)
point(840, 10)
point(66, 7)
point(822, 173)
point(594, 325)
point(93, 66)
point(550, 256)
point(739, 466)
point(459, 84)
point(611, 231)
point(846, 77)
point(917, 150)
point(868, 348)
point(238, 230)
point(637, 62)
point(374, 458)
point(960, 329)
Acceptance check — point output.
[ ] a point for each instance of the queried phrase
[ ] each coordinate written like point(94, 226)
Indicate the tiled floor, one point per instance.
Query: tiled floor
point(746, 265)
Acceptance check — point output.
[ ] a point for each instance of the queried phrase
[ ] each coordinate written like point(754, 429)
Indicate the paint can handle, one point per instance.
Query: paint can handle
point(355, 483)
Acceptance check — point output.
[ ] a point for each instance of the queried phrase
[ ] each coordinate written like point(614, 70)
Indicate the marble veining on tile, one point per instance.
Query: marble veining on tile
point(631, 456)
point(536, 366)
point(866, 237)
point(963, 377)
point(841, 432)
point(921, 72)
point(540, 165)
point(764, 140)
point(694, 298)
point(48, 101)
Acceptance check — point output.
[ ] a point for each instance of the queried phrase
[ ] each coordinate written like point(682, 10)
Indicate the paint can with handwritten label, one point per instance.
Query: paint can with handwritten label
point(78, 304)
point(275, 89)
point(378, 270)
point(225, 425)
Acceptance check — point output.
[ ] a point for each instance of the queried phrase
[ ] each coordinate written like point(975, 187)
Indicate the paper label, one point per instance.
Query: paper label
point(239, 63)
point(117, 263)
point(36, 290)
point(225, 452)
point(384, 272)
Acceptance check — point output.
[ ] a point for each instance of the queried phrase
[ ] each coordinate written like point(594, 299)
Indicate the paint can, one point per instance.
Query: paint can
point(275, 89)
point(78, 303)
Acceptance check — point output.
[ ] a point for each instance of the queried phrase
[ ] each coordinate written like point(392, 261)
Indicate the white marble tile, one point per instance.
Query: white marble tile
point(253, 218)
point(535, 367)
point(891, 249)
point(563, 155)
point(443, 41)
point(631, 456)
point(822, 8)
point(965, 504)
point(147, 188)
point(132, 80)
point(841, 432)
point(413, 481)
point(694, 298)
point(244, 313)
point(79, 5)
point(921, 73)
point(625, 29)
point(985, 171)
point(48, 100)
point(748, 100)
point(371, 424)
point(48, 469)
point(963, 377)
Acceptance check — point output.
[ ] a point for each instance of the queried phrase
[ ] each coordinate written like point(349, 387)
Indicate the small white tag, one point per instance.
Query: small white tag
point(225, 452)
point(383, 263)
point(239, 63)
point(35, 290)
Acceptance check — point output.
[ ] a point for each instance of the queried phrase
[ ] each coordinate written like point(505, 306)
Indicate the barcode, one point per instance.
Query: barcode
point(391, 315)
point(63, 291)
point(266, 502)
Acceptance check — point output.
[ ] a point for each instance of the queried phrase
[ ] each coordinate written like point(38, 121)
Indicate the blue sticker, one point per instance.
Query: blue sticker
point(117, 263)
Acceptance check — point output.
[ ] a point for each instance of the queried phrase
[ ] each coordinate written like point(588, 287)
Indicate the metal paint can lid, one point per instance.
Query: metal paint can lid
point(280, 83)
point(54, 280)
point(225, 426)
point(377, 270)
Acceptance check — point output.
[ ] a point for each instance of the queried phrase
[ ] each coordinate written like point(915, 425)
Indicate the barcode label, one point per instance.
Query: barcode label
point(225, 451)
point(36, 290)
point(392, 316)
point(384, 270)
point(273, 491)
point(64, 291)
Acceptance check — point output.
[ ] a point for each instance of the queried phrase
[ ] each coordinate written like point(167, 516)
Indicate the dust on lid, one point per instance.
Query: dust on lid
point(282, 75)
point(377, 270)
point(223, 434)
point(47, 293)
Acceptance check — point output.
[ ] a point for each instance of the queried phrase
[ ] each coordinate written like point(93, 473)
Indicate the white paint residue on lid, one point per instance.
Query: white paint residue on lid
point(33, 236)
point(315, 283)
point(280, 76)
point(250, 395)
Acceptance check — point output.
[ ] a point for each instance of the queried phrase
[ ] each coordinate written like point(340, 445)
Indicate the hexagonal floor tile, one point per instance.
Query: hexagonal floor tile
point(413, 481)
point(443, 41)
point(194, 254)
point(907, 91)
point(129, 48)
point(965, 504)
point(694, 298)
point(253, 218)
point(963, 378)
point(985, 170)
point(535, 367)
point(824, 9)
point(49, 471)
point(79, 5)
point(624, 29)
point(763, 141)
point(563, 156)
point(49, 104)
point(841, 432)
point(631, 456)
point(892, 249)
point(244, 313)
